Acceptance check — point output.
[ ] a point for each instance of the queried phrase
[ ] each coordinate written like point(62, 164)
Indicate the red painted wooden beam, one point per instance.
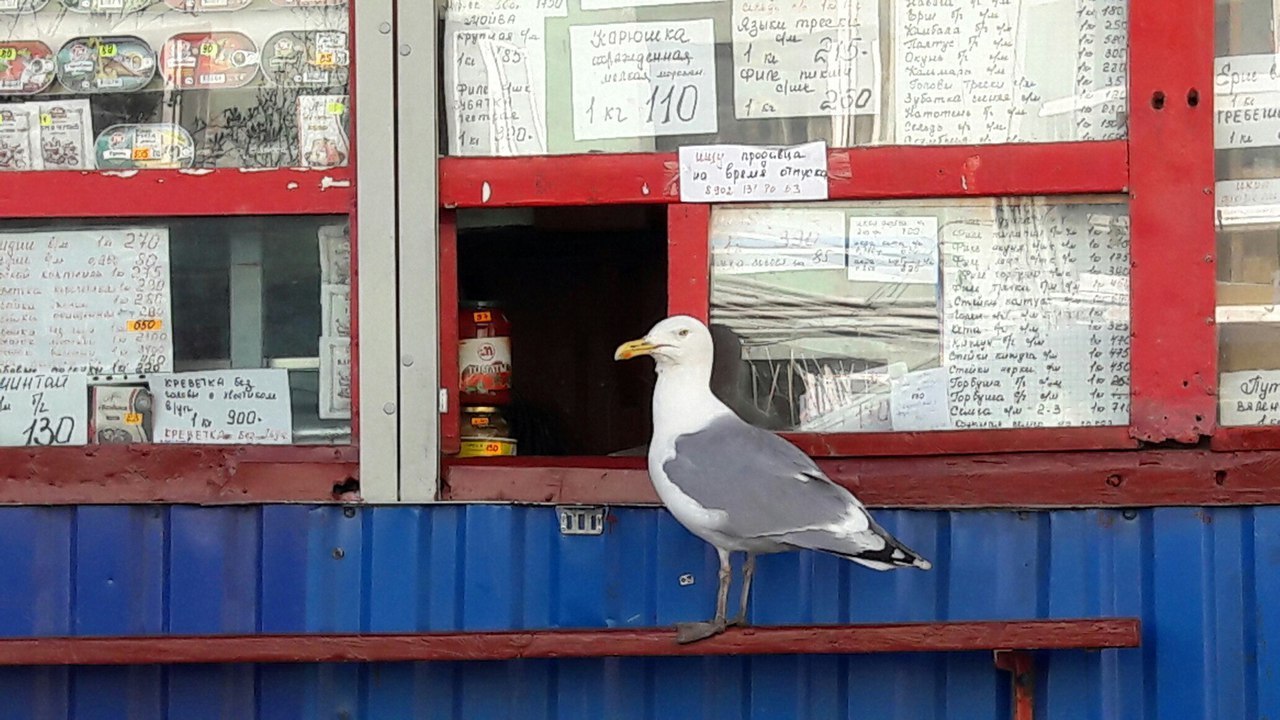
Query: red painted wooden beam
point(175, 474)
point(1021, 667)
point(1174, 349)
point(855, 173)
point(809, 640)
point(965, 442)
point(1016, 480)
point(170, 193)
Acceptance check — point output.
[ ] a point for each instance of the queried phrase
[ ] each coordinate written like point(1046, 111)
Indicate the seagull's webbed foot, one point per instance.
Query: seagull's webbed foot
point(692, 632)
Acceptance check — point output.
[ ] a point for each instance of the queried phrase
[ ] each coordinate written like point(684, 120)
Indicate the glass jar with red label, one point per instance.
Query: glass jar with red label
point(484, 354)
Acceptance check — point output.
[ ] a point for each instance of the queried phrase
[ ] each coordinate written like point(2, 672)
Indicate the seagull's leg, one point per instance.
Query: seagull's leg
point(692, 632)
point(726, 578)
point(748, 570)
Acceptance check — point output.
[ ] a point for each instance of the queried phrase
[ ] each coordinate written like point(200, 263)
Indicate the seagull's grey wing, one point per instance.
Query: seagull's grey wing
point(765, 485)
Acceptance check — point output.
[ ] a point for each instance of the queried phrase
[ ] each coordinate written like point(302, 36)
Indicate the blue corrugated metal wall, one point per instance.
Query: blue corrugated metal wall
point(1204, 581)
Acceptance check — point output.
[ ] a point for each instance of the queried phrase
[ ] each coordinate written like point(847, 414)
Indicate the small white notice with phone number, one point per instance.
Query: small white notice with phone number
point(753, 173)
point(233, 407)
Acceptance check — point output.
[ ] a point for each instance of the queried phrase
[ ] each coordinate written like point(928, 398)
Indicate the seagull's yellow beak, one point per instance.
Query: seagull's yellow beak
point(632, 349)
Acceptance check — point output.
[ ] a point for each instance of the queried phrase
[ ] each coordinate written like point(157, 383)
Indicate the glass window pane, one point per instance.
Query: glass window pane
point(1247, 143)
point(923, 315)
point(627, 78)
point(125, 84)
point(192, 330)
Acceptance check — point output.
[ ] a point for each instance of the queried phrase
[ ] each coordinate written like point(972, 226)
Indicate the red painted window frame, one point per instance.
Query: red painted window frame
point(190, 473)
point(1166, 162)
point(855, 174)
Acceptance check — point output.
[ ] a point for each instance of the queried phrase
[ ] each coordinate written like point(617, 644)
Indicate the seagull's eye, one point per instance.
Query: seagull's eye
point(684, 333)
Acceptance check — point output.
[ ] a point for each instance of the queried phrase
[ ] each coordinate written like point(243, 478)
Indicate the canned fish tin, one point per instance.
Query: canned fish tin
point(202, 6)
point(306, 58)
point(120, 63)
point(17, 7)
point(106, 6)
point(485, 433)
point(144, 147)
point(208, 60)
point(26, 67)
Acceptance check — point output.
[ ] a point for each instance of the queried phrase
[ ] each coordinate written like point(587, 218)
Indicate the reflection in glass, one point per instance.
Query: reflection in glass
point(232, 330)
point(1247, 143)
point(928, 315)
point(651, 78)
point(252, 84)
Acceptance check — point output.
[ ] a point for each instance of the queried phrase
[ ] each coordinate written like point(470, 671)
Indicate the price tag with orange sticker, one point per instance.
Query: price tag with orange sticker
point(145, 325)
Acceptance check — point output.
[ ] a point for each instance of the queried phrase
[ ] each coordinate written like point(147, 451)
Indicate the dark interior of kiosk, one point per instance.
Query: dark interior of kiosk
point(574, 283)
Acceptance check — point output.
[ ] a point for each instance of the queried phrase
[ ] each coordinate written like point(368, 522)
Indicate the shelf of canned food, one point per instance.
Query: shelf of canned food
point(149, 84)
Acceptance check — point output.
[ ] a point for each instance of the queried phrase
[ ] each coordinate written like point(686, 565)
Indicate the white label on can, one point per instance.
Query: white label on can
point(485, 365)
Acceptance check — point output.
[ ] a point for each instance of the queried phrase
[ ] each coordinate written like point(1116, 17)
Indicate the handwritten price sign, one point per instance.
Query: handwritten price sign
point(39, 409)
point(242, 407)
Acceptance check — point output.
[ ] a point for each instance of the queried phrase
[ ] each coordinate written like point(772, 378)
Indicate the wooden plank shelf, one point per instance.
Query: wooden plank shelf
point(999, 636)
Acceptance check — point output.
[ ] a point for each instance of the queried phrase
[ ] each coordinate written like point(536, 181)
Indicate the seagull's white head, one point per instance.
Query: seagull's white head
point(678, 341)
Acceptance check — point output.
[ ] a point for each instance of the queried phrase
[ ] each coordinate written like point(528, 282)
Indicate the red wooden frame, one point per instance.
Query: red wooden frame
point(1174, 354)
point(179, 193)
point(447, 288)
point(1041, 480)
point(688, 288)
point(1234, 439)
point(962, 636)
point(1166, 162)
point(688, 260)
point(854, 174)
point(190, 473)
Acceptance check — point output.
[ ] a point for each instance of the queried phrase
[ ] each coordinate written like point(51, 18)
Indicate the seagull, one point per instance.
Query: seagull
point(739, 487)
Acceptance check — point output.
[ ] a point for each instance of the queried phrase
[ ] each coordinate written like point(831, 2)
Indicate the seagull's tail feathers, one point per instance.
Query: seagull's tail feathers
point(892, 555)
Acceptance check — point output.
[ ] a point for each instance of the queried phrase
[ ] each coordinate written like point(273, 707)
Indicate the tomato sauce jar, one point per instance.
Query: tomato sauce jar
point(484, 354)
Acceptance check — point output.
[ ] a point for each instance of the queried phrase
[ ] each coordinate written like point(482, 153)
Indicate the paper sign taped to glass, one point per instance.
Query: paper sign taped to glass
point(43, 409)
point(820, 59)
point(223, 407)
point(748, 241)
point(99, 306)
point(753, 173)
point(322, 130)
point(644, 79)
point(335, 378)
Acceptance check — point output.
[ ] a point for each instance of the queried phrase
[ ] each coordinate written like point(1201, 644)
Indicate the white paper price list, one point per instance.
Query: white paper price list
point(90, 301)
point(143, 341)
point(1036, 324)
